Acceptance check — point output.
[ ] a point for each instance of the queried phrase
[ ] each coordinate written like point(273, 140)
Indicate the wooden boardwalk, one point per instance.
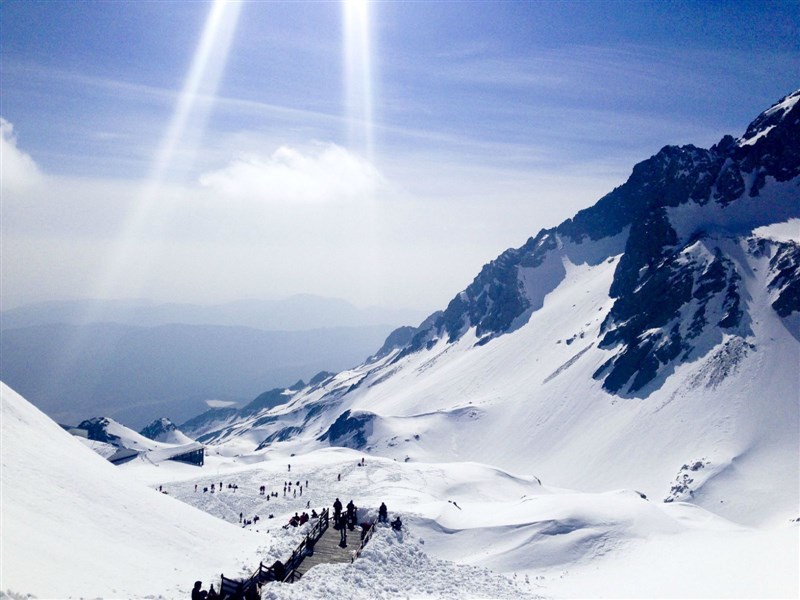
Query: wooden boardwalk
point(328, 550)
point(321, 545)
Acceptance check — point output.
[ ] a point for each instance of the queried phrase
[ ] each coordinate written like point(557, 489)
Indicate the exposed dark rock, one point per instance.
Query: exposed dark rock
point(158, 428)
point(399, 338)
point(280, 436)
point(786, 266)
point(96, 429)
point(203, 420)
point(350, 430)
point(320, 377)
point(267, 400)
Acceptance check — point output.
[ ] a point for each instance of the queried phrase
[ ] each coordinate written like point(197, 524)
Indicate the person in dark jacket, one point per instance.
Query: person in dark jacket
point(342, 531)
point(383, 513)
point(337, 510)
point(397, 524)
point(253, 593)
point(197, 593)
point(279, 570)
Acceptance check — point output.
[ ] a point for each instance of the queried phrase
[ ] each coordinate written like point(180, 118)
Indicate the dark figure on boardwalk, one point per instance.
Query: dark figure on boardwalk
point(364, 529)
point(337, 511)
point(342, 531)
point(212, 593)
point(383, 513)
point(253, 593)
point(397, 524)
point(197, 593)
point(279, 570)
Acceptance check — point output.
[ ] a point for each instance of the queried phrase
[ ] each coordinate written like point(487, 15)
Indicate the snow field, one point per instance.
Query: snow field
point(73, 525)
point(474, 531)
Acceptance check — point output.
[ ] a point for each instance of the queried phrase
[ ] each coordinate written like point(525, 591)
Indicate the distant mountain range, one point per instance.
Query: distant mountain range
point(295, 313)
point(137, 374)
point(651, 341)
point(137, 361)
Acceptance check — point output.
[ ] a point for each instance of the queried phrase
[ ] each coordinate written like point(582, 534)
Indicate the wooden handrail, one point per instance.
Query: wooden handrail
point(236, 588)
point(364, 541)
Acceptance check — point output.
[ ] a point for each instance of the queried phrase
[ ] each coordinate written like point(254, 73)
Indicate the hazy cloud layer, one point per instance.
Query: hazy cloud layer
point(323, 173)
point(18, 171)
point(302, 218)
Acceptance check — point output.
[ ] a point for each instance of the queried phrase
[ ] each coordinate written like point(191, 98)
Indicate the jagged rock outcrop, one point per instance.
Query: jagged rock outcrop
point(680, 197)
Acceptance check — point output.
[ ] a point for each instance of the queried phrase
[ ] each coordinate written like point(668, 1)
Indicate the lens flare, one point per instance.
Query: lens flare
point(358, 76)
point(176, 151)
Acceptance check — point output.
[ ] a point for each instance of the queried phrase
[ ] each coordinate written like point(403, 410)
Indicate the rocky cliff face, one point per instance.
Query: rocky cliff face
point(671, 223)
point(680, 288)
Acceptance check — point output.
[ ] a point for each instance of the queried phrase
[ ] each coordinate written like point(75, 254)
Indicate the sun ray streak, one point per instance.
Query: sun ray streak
point(178, 145)
point(358, 76)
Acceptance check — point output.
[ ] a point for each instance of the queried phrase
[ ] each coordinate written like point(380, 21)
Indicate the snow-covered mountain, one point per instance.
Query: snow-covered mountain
point(650, 342)
point(159, 441)
point(109, 431)
point(164, 430)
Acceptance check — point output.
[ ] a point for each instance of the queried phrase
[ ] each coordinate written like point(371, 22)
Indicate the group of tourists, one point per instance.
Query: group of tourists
point(262, 491)
point(253, 521)
point(201, 594)
point(344, 519)
point(298, 520)
point(287, 488)
point(252, 593)
point(213, 488)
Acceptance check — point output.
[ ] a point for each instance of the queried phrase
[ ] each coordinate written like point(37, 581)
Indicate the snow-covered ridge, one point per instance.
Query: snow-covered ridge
point(164, 430)
point(768, 120)
point(667, 312)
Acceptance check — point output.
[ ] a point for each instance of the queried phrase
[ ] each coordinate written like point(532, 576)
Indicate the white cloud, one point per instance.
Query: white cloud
point(18, 171)
point(324, 173)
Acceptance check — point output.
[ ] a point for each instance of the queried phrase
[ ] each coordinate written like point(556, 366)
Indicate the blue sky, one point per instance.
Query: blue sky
point(489, 121)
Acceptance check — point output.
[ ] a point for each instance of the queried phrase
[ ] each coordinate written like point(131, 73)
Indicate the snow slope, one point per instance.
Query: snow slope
point(527, 402)
point(74, 525)
point(476, 531)
point(650, 342)
point(471, 530)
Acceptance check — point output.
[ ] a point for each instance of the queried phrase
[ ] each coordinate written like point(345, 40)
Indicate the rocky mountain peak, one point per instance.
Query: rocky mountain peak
point(158, 428)
point(670, 201)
